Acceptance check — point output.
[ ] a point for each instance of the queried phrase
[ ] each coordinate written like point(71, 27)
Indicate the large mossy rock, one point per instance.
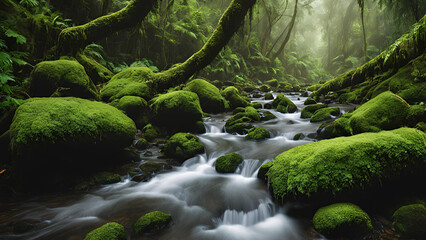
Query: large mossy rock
point(134, 107)
point(210, 98)
point(410, 221)
point(63, 78)
point(384, 112)
point(240, 122)
point(346, 167)
point(325, 114)
point(130, 82)
point(258, 134)
point(283, 104)
point(66, 136)
point(228, 163)
point(178, 111)
point(309, 110)
point(235, 99)
point(110, 231)
point(342, 220)
point(152, 222)
point(183, 146)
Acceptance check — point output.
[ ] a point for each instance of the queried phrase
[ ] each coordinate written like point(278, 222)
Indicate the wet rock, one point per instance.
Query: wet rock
point(235, 99)
point(266, 116)
point(304, 94)
point(267, 106)
point(144, 177)
point(269, 96)
point(183, 146)
point(151, 167)
point(410, 221)
point(261, 174)
point(258, 134)
point(111, 231)
point(228, 163)
point(106, 178)
point(240, 122)
point(142, 144)
point(152, 222)
point(342, 220)
point(309, 101)
point(265, 88)
point(299, 136)
point(283, 104)
point(257, 105)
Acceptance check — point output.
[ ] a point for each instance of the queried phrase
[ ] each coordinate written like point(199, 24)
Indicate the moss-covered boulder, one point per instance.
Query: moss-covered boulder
point(265, 88)
point(410, 221)
point(240, 122)
point(261, 174)
point(150, 132)
point(130, 82)
point(309, 110)
point(266, 116)
point(61, 78)
point(183, 146)
point(151, 167)
point(83, 134)
point(258, 134)
point(177, 111)
point(228, 163)
point(110, 231)
point(342, 220)
point(142, 144)
point(269, 96)
point(106, 178)
point(416, 114)
point(384, 112)
point(283, 104)
point(273, 83)
point(309, 101)
point(325, 114)
point(235, 99)
point(342, 167)
point(152, 222)
point(134, 107)
point(210, 98)
point(257, 105)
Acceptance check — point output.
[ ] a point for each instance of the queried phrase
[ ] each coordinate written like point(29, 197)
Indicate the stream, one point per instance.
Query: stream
point(203, 203)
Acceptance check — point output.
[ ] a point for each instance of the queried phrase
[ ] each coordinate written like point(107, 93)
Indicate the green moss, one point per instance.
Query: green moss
point(183, 146)
point(233, 96)
point(133, 81)
point(325, 114)
point(384, 112)
point(228, 163)
point(261, 174)
point(343, 165)
point(134, 107)
point(258, 134)
point(110, 231)
point(177, 111)
point(284, 104)
point(342, 127)
point(309, 101)
point(152, 222)
point(297, 136)
point(266, 116)
point(416, 114)
point(63, 78)
point(269, 96)
point(210, 98)
point(410, 221)
point(106, 178)
point(142, 144)
point(421, 126)
point(309, 110)
point(150, 132)
point(151, 167)
point(265, 88)
point(96, 72)
point(272, 83)
point(239, 123)
point(342, 220)
point(72, 122)
point(257, 105)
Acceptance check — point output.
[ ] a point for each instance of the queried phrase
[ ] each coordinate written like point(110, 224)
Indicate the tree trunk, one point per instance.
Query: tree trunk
point(287, 38)
point(364, 34)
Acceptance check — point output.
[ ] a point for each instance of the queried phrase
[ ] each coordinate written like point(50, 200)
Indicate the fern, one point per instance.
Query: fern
point(19, 38)
point(29, 3)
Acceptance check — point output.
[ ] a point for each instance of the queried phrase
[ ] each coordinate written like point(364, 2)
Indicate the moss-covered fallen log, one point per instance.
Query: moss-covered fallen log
point(406, 48)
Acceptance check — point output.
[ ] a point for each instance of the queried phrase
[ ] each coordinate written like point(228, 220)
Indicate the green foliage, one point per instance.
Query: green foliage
point(29, 3)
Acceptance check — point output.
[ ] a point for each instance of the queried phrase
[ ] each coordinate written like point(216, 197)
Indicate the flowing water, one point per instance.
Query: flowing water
point(203, 203)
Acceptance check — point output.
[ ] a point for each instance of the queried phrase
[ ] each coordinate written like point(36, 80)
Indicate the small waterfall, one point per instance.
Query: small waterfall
point(265, 210)
point(250, 167)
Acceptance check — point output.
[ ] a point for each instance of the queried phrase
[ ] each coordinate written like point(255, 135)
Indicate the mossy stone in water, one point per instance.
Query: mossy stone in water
point(273, 83)
point(130, 82)
point(342, 220)
point(261, 174)
point(151, 167)
point(385, 112)
point(152, 222)
point(177, 111)
point(410, 221)
point(283, 104)
point(134, 107)
point(110, 231)
point(309, 110)
point(265, 88)
point(183, 146)
point(269, 96)
point(235, 99)
point(228, 163)
point(142, 144)
point(257, 105)
point(341, 166)
point(325, 114)
point(258, 134)
point(309, 101)
point(106, 178)
point(69, 75)
point(240, 122)
point(210, 98)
